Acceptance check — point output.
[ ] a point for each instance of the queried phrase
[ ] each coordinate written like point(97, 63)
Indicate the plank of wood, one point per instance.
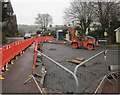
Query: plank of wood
point(80, 59)
point(73, 61)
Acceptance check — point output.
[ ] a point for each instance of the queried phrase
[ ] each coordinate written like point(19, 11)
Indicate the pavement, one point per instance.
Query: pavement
point(18, 73)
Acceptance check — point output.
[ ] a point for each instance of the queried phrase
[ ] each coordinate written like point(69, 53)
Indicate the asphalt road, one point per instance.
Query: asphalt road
point(58, 79)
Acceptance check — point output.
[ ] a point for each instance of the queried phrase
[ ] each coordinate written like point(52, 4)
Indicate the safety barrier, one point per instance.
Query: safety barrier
point(64, 68)
point(102, 52)
point(44, 38)
point(8, 52)
point(38, 40)
point(98, 54)
point(34, 74)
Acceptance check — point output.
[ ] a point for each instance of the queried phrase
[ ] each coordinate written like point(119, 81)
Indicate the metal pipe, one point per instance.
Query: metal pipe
point(113, 50)
point(75, 70)
point(75, 77)
point(100, 84)
point(37, 84)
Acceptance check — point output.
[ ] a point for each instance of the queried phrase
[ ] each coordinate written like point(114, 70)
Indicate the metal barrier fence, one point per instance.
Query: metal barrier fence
point(76, 68)
point(91, 58)
point(34, 74)
point(64, 68)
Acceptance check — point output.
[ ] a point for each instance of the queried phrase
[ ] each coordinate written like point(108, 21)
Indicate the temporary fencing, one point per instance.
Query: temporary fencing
point(44, 38)
point(39, 40)
point(8, 52)
point(35, 56)
point(34, 75)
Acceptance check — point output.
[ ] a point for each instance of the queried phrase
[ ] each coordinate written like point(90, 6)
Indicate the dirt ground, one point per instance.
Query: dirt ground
point(113, 87)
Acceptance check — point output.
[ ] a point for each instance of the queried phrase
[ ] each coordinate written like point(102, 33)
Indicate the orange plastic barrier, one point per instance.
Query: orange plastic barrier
point(44, 38)
point(35, 56)
point(39, 39)
point(8, 52)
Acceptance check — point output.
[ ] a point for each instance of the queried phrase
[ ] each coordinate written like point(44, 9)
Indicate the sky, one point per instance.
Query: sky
point(27, 10)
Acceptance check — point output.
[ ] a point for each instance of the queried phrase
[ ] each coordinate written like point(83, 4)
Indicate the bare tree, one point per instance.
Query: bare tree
point(80, 12)
point(108, 14)
point(43, 20)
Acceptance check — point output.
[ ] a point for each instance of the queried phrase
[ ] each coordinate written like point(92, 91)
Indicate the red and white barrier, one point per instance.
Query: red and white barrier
point(8, 52)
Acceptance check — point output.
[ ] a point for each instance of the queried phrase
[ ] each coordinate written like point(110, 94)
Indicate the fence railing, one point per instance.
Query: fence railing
point(102, 52)
point(64, 68)
point(8, 52)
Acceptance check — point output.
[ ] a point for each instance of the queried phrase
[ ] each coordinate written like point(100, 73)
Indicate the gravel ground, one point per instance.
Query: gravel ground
point(58, 79)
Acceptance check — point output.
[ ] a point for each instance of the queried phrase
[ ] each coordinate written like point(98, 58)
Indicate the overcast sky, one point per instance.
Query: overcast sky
point(27, 10)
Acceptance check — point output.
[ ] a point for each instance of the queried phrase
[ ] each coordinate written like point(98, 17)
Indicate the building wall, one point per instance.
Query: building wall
point(118, 36)
point(10, 27)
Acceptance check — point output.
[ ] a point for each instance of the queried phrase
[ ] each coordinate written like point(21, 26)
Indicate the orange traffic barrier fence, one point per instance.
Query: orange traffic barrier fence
point(8, 52)
point(44, 38)
point(39, 40)
point(35, 56)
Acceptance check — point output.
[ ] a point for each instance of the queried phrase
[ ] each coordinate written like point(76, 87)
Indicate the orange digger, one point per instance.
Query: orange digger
point(77, 41)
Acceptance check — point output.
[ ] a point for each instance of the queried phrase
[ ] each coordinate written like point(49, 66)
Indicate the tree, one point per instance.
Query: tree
point(43, 20)
point(80, 13)
point(108, 14)
point(38, 32)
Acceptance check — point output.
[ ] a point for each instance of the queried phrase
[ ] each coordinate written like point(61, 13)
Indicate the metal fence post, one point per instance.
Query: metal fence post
point(64, 68)
point(76, 68)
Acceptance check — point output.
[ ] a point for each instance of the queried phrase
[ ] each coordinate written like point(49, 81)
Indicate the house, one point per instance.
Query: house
point(9, 21)
point(117, 35)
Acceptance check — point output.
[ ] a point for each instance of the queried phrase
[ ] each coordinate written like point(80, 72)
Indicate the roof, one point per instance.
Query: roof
point(118, 29)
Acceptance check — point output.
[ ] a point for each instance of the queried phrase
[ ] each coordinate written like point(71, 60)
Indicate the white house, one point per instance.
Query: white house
point(117, 35)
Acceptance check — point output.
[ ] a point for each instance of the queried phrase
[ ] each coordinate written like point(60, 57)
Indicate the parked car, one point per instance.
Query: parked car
point(27, 35)
point(39, 35)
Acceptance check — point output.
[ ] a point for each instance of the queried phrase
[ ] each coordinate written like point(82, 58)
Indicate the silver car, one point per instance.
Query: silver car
point(27, 35)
